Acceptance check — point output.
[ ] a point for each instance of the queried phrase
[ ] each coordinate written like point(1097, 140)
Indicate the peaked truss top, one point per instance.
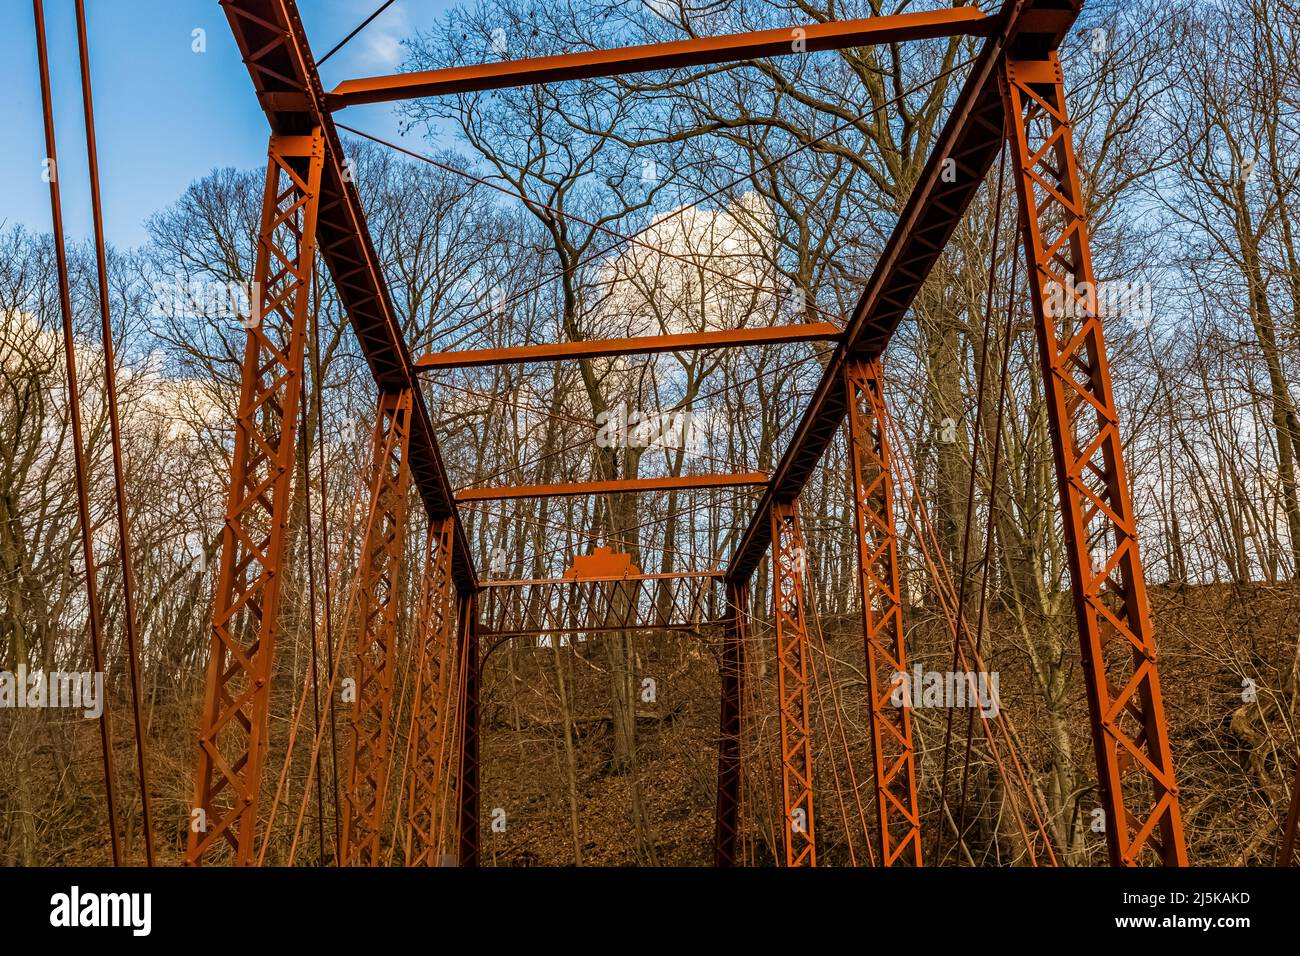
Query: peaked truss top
point(274, 46)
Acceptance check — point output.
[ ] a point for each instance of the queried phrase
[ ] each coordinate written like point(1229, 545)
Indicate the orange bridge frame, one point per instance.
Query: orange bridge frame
point(1013, 96)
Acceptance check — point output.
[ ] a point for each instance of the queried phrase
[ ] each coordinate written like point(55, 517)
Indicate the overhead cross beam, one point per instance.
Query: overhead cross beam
point(698, 51)
point(637, 345)
point(615, 486)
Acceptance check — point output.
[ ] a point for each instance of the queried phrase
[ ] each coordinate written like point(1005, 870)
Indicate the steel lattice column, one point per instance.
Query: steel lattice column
point(379, 584)
point(788, 564)
point(246, 618)
point(433, 711)
point(469, 728)
point(731, 671)
point(892, 753)
point(1135, 771)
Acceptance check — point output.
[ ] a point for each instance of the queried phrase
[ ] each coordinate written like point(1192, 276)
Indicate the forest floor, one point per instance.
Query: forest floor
point(1217, 644)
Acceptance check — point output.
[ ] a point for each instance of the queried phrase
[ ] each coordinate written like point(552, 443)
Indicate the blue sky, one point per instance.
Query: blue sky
point(164, 115)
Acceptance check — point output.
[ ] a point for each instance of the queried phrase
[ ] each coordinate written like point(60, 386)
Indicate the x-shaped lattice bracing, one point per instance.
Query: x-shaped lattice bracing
point(376, 652)
point(232, 733)
point(893, 755)
point(1135, 765)
point(434, 751)
point(789, 560)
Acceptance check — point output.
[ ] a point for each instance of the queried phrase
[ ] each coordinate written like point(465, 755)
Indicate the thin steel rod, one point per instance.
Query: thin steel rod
point(1286, 848)
point(361, 26)
point(74, 414)
point(970, 490)
point(305, 477)
point(115, 435)
point(317, 379)
point(990, 526)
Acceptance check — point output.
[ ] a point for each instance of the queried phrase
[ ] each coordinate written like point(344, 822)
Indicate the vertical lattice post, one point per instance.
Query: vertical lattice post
point(731, 673)
point(246, 618)
point(789, 561)
point(379, 579)
point(1135, 771)
point(892, 753)
point(469, 750)
point(433, 709)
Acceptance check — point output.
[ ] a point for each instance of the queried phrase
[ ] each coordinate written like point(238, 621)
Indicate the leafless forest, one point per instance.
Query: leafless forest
point(754, 194)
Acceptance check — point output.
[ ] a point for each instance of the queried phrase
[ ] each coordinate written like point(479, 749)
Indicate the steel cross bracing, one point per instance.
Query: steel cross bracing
point(274, 47)
point(467, 786)
point(433, 749)
point(246, 619)
point(638, 345)
point(893, 756)
point(698, 51)
point(613, 486)
point(1090, 469)
point(379, 592)
point(1014, 75)
point(789, 599)
point(970, 138)
point(731, 672)
point(309, 204)
point(1135, 769)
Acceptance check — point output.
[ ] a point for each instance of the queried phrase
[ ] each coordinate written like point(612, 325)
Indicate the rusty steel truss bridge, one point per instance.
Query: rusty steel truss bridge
point(1012, 104)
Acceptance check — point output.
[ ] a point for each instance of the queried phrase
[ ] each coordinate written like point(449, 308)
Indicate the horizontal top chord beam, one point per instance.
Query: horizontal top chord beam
point(698, 51)
point(615, 486)
point(638, 345)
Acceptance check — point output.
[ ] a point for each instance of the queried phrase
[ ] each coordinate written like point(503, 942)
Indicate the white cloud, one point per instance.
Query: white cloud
point(380, 44)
